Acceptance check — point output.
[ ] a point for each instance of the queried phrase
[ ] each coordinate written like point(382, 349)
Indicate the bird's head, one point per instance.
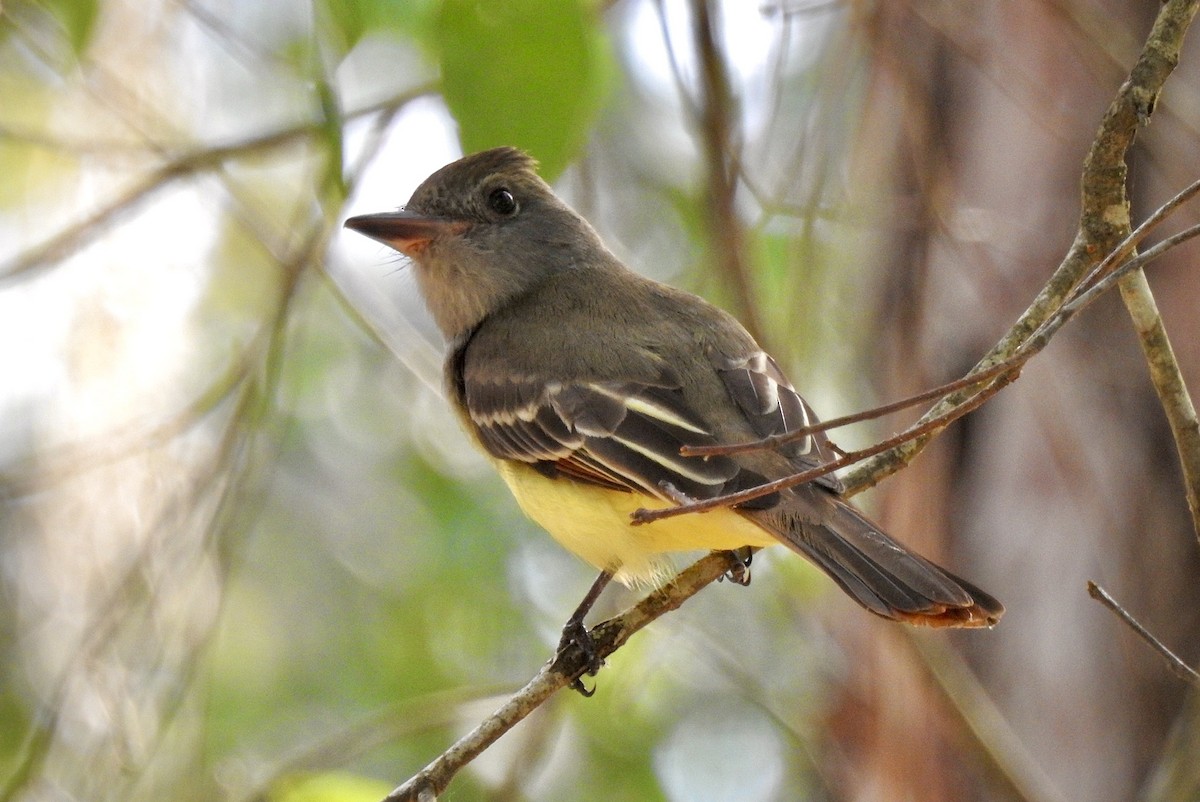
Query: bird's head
point(482, 230)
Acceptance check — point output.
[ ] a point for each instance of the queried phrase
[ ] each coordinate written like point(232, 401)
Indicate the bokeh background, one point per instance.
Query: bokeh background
point(246, 554)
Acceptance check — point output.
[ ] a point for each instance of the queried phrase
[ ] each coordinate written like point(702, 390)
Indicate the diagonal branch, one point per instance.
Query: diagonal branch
point(1168, 382)
point(776, 440)
point(1180, 668)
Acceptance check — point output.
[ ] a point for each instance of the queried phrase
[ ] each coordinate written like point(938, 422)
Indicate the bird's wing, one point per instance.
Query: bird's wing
point(772, 407)
point(621, 435)
point(627, 435)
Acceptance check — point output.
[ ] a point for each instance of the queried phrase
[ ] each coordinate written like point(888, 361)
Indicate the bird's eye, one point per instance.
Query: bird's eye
point(502, 202)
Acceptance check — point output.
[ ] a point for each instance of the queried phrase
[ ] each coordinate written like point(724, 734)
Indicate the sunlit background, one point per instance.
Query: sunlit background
point(246, 553)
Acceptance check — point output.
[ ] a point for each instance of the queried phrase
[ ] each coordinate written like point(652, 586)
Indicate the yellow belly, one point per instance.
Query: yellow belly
point(593, 523)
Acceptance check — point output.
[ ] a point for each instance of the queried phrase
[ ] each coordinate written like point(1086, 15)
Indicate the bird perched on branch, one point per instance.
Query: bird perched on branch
point(582, 381)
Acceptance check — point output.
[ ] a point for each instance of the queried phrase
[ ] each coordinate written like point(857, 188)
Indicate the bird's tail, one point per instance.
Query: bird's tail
point(884, 576)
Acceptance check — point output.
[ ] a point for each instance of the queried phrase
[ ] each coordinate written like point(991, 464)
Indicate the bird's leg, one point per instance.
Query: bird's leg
point(575, 633)
point(739, 574)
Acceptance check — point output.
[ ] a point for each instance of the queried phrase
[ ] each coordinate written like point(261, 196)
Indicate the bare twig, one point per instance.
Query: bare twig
point(1000, 374)
point(1152, 335)
point(774, 441)
point(717, 126)
point(1130, 243)
point(1102, 196)
point(1181, 669)
point(1105, 173)
point(1090, 294)
point(1168, 381)
point(919, 429)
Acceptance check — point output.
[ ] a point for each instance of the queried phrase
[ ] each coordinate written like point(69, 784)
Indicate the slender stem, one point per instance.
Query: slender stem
point(1180, 668)
point(774, 441)
point(645, 516)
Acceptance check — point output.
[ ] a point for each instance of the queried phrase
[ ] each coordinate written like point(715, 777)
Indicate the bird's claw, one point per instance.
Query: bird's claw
point(739, 574)
point(576, 634)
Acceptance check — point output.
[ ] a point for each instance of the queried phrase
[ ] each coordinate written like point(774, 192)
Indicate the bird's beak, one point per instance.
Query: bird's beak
point(408, 232)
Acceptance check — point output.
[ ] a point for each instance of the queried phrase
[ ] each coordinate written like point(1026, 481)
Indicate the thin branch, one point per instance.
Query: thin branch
point(1167, 378)
point(774, 441)
point(924, 428)
point(1165, 374)
point(1041, 337)
point(1085, 298)
point(1130, 243)
point(1007, 372)
point(1181, 669)
point(1105, 174)
point(717, 127)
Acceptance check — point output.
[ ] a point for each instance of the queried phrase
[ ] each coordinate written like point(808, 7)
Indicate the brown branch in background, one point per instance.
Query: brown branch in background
point(1167, 378)
point(1181, 669)
point(726, 236)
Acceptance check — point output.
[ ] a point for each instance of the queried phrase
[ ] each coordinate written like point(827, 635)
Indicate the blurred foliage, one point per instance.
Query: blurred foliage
point(354, 19)
point(74, 19)
point(245, 551)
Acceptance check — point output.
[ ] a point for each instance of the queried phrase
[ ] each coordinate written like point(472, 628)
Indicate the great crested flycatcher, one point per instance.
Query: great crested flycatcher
point(582, 380)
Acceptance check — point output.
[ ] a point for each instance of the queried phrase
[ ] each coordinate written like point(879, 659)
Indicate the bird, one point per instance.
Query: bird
point(583, 382)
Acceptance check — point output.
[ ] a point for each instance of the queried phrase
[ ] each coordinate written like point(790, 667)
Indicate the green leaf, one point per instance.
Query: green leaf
point(527, 73)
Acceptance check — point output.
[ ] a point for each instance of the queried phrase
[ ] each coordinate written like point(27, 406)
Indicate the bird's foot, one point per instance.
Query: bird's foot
point(576, 635)
point(739, 574)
